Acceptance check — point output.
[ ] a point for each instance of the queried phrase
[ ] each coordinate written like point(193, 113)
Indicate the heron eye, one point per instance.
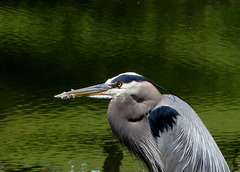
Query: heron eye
point(119, 84)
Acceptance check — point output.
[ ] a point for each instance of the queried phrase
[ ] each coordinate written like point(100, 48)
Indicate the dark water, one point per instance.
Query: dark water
point(190, 47)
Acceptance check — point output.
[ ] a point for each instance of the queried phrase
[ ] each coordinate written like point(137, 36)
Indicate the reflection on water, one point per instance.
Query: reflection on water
point(191, 48)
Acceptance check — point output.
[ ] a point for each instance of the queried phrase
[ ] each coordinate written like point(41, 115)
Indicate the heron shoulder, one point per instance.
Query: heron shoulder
point(182, 107)
point(162, 118)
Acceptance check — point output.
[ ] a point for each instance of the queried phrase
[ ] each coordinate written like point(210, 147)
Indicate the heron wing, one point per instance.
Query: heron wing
point(182, 138)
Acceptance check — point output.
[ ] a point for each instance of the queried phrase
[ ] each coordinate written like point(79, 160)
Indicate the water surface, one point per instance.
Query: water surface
point(189, 47)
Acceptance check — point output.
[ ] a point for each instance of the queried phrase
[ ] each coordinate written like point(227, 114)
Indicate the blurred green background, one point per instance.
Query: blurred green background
point(191, 47)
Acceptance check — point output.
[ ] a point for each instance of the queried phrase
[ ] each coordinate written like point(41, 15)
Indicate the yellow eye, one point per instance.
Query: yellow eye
point(119, 84)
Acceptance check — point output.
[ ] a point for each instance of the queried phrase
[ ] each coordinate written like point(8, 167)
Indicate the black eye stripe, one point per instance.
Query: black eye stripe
point(129, 78)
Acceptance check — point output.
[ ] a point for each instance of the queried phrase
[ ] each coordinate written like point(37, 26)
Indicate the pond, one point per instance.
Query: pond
point(189, 47)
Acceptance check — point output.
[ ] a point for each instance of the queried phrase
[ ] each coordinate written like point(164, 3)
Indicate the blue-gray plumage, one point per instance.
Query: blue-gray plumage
point(161, 129)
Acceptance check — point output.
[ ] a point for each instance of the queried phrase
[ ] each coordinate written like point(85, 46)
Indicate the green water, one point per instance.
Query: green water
point(189, 47)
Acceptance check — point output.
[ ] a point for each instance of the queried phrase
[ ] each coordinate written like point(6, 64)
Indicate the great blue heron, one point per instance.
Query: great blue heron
point(161, 129)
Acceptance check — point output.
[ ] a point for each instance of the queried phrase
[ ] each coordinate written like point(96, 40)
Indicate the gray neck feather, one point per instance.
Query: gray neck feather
point(140, 142)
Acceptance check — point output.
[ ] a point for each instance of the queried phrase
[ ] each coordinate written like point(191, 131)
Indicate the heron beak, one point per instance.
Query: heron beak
point(92, 91)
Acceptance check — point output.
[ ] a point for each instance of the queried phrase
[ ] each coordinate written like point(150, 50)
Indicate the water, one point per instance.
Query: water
point(190, 47)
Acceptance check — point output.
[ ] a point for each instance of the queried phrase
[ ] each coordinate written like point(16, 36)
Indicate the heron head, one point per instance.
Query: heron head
point(125, 83)
point(133, 98)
